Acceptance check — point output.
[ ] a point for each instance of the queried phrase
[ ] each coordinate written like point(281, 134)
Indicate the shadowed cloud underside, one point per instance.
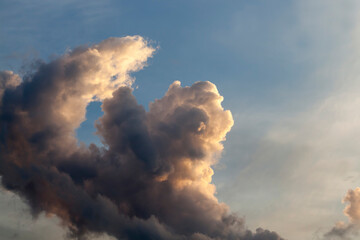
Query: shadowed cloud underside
point(152, 178)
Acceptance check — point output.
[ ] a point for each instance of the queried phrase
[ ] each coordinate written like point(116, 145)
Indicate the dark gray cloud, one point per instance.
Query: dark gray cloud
point(152, 180)
point(341, 231)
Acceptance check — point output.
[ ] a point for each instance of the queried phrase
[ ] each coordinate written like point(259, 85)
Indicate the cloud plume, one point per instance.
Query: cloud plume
point(152, 178)
point(346, 231)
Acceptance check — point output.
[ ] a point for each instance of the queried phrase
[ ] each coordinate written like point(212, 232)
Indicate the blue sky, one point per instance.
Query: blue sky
point(288, 72)
point(246, 48)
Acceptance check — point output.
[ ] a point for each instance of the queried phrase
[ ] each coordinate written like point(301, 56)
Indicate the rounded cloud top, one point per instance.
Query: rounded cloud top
point(152, 180)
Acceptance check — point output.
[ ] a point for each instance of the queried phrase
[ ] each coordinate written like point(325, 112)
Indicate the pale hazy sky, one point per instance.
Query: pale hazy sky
point(289, 72)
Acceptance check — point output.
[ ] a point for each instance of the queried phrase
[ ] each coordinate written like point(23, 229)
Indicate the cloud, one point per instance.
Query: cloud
point(152, 180)
point(353, 209)
point(343, 230)
point(8, 80)
point(300, 153)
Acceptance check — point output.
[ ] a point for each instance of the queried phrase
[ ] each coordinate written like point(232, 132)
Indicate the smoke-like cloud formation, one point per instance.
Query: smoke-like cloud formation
point(152, 180)
point(346, 231)
point(353, 209)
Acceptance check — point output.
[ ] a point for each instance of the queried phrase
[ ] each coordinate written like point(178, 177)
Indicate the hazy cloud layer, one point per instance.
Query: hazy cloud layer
point(301, 154)
point(152, 180)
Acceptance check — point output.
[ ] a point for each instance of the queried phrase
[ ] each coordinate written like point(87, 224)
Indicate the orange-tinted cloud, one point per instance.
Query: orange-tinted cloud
point(152, 180)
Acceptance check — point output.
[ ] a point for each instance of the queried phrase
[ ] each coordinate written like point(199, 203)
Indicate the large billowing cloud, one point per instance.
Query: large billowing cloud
point(152, 180)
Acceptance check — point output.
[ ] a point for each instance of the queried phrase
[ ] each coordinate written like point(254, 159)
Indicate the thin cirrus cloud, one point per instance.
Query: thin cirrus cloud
point(152, 180)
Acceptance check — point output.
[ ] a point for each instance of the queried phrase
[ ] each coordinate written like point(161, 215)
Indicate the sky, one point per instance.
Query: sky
point(288, 72)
